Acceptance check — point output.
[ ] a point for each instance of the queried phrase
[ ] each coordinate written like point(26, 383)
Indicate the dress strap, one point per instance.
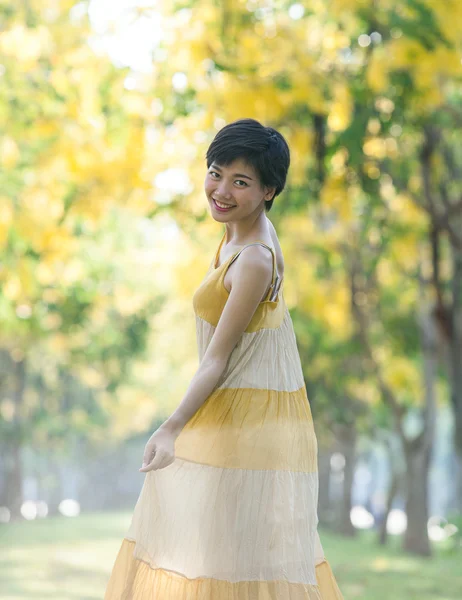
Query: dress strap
point(217, 254)
point(273, 278)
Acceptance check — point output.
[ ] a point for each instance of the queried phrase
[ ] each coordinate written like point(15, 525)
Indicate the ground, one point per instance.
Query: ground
point(71, 558)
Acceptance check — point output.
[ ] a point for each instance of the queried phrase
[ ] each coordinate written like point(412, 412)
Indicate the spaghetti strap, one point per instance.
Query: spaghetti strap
point(217, 253)
point(274, 277)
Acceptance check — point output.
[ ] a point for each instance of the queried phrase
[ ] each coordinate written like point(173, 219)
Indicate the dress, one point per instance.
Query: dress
point(234, 517)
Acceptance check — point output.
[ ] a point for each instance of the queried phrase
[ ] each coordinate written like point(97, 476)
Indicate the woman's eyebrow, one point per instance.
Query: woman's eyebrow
point(234, 174)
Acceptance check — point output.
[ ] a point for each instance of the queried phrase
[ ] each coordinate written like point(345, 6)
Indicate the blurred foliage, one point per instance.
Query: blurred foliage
point(105, 233)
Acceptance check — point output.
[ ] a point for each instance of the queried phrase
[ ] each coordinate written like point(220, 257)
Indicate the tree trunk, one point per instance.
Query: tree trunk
point(395, 480)
point(456, 503)
point(346, 435)
point(416, 536)
point(13, 480)
point(455, 357)
point(419, 450)
point(324, 504)
point(392, 491)
point(13, 462)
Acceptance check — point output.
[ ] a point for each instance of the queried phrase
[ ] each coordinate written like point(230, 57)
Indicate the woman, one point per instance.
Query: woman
point(228, 508)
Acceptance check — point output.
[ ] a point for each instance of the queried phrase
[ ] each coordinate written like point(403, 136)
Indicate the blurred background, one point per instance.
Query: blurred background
point(106, 111)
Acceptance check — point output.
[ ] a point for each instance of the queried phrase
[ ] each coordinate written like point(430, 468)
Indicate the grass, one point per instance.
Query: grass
point(367, 571)
point(61, 558)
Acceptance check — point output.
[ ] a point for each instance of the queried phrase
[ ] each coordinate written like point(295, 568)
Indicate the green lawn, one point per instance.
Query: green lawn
point(70, 559)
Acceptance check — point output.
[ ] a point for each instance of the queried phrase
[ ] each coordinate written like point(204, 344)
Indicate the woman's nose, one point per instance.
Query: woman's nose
point(224, 190)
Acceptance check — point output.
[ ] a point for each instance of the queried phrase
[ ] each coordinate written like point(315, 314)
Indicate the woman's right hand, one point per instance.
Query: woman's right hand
point(159, 451)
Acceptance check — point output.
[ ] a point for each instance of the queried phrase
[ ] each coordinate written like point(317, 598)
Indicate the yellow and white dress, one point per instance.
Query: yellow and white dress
point(234, 517)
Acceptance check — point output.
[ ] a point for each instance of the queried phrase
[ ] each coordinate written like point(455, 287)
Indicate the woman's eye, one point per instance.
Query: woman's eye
point(240, 180)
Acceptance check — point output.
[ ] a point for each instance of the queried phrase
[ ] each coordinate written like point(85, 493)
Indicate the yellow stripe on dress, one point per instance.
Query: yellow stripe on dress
point(136, 579)
point(211, 296)
point(251, 429)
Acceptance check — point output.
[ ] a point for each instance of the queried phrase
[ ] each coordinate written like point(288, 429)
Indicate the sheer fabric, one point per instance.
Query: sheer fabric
point(235, 515)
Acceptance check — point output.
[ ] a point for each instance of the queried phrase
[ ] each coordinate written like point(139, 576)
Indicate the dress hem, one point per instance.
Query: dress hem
point(133, 578)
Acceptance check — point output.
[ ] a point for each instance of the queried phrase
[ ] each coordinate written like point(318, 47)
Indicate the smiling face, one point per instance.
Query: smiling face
point(238, 186)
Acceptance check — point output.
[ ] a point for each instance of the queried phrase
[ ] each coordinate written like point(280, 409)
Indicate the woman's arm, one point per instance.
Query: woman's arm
point(250, 280)
point(251, 274)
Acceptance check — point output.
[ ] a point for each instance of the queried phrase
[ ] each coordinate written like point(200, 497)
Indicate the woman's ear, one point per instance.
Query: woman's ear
point(269, 194)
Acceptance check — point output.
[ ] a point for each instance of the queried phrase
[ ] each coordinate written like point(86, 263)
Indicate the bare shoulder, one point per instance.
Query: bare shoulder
point(253, 268)
point(255, 261)
point(250, 282)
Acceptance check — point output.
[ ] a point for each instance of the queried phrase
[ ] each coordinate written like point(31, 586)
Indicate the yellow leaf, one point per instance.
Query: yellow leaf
point(9, 152)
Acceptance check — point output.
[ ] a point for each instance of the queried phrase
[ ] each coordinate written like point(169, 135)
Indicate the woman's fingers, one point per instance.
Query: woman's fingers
point(157, 461)
point(159, 451)
point(160, 461)
point(148, 452)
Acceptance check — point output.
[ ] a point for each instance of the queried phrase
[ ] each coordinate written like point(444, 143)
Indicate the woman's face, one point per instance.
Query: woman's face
point(238, 186)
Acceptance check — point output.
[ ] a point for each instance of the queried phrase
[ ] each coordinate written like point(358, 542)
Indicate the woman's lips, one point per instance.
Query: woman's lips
point(219, 208)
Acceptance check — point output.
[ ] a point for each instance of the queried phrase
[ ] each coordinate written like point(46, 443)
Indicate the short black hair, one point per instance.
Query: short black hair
point(262, 147)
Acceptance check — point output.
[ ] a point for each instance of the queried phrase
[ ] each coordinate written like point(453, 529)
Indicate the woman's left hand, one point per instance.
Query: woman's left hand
point(159, 451)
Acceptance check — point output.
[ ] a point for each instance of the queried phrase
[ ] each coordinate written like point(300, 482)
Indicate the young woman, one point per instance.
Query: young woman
point(228, 508)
